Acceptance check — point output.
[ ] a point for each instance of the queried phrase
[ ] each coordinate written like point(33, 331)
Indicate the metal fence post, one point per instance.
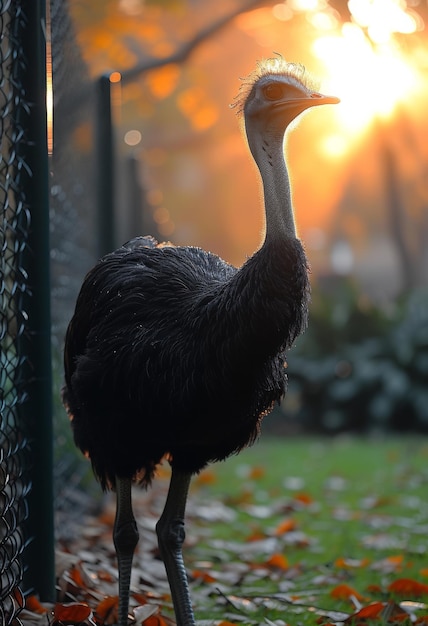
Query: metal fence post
point(36, 343)
point(105, 163)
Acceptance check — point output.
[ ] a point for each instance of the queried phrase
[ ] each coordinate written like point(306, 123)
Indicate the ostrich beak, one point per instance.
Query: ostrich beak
point(315, 98)
point(312, 99)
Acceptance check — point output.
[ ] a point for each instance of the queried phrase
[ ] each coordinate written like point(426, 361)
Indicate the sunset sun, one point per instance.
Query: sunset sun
point(365, 66)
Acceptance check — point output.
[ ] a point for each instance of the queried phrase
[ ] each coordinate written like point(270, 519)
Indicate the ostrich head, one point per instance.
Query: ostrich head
point(273, 95)
point(270, 98)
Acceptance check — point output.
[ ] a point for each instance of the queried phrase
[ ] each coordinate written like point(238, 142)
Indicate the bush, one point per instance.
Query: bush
point(360, 368)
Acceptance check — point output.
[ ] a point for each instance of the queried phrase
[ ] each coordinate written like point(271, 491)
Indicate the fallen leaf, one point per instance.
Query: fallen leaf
point(33, 604)
point(408, 587)
point(256, 535)
point(371, 611)
point(145, 612)
point(73, 613)
point(393, 563)
point(199, 574)
point(107, 607)
point(286, 526)
point(277, 561)
point(303, 498)
point(207, 477)
point(345, 592)
point(257, 472)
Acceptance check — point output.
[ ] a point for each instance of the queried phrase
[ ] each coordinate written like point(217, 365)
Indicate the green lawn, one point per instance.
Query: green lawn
point(275, 533)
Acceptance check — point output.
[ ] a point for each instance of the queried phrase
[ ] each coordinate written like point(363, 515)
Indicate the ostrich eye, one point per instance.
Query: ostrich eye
point(274, 91)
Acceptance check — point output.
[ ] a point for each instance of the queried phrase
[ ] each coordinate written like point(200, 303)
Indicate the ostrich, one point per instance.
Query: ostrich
point(171, 352)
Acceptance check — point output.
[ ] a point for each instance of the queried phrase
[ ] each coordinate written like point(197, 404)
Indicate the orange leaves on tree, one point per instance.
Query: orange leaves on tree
point(195, 105)
point(408, 587)
point(163, 82)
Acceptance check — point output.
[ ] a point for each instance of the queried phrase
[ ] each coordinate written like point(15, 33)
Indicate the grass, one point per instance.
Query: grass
point(303, 517)
point(301, 532)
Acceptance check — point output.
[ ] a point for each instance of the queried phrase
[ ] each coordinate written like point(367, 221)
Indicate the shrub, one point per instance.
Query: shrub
point(361, 368)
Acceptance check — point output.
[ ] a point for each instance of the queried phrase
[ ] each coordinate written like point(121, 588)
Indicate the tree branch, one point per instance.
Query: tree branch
point(183, 53)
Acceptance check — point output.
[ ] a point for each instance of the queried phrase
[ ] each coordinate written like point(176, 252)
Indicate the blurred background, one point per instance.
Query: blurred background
point(180, 169)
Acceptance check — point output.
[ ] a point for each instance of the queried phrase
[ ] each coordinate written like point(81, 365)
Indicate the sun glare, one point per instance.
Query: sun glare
point(365, 65)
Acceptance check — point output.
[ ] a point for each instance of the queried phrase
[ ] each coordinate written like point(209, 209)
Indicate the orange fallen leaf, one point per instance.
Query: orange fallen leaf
point(76, 577)
point(408, 587)
point(33, 604)
point(393, 612)
point(256, 535)
point(199, 574)
point(387, 612)
point(105, 576)
point(106, 607)
point(345, 592)
point(303, 498)
point(72, 614)
point(371, 611)
point(141, 598)
point(395, 559)
point(278, 561)
point(257, 472)
point(207, 477)
point(286, 526)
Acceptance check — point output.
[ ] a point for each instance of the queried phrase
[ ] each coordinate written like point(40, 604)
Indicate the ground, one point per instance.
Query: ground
point(299, 533)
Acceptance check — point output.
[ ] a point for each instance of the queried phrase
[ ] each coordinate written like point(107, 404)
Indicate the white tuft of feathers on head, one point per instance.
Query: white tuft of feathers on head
point(272, 67)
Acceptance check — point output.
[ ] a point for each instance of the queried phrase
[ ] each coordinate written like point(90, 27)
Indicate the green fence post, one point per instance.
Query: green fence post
point(105, 163)
point(36, 344)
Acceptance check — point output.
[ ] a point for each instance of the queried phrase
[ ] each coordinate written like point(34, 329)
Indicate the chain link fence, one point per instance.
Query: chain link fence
point(25, 535)
point(14, 228)
point(72, 239)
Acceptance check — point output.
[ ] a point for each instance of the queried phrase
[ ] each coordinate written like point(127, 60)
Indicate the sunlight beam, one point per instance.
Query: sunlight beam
point(365, 65)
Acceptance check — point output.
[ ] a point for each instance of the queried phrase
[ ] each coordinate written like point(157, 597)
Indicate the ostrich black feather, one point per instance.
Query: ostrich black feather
point(171, 351)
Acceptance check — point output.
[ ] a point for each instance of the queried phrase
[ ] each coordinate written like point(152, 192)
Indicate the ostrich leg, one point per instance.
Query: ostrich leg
point(125, 537)
point(170, 531)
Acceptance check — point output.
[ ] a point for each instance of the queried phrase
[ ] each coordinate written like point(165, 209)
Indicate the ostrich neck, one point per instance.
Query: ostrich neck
point(268, 153)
